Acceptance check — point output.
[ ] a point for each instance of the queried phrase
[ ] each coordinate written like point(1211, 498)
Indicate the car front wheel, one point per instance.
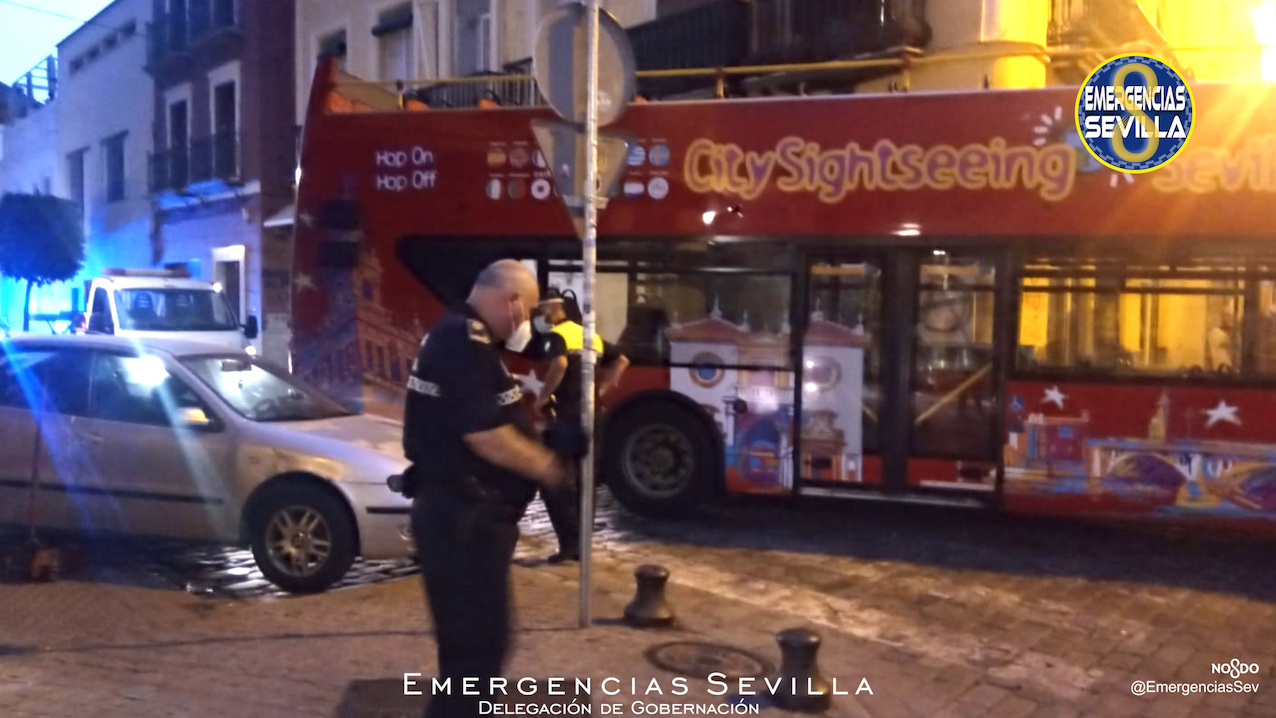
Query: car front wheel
point(303, 538)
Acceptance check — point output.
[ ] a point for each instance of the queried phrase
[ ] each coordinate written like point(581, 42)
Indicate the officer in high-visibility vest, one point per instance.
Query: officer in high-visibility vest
point(562, 341)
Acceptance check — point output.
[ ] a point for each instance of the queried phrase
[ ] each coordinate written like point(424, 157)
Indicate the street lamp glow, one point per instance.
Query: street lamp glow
point(1264, 17)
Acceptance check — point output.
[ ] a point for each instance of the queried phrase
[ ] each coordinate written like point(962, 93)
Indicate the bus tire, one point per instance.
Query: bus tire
point(659, 460)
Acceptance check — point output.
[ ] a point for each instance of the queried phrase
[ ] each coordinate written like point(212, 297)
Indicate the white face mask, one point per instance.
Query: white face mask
point(541, 325)
point(520, 337)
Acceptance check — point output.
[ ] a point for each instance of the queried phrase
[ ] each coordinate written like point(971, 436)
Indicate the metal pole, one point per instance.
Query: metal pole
point(589, 262)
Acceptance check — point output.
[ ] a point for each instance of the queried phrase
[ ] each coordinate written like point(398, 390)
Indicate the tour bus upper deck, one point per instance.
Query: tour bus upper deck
point(822, 298)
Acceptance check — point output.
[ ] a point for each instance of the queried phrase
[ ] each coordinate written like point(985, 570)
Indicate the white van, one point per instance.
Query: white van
point(157, 304)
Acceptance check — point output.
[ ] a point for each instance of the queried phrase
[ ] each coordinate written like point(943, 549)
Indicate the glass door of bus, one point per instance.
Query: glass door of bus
point(956, 417)
point(839, 444)
point(900, 380)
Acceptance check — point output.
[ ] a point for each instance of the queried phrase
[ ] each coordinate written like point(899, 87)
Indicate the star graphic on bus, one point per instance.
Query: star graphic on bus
point(303, 281)
point(1222, 412)
point(1054, 396)
point(530, 382)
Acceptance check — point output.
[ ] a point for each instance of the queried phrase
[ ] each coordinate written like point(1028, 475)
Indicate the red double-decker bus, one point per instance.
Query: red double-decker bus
point(912, 297)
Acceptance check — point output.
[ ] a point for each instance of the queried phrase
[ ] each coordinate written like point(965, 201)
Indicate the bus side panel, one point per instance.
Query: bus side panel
point(1173, 452)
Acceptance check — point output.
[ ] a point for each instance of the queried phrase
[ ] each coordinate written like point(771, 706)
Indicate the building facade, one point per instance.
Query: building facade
point(966, 44)
point(224, 156)
point(28, 158)
point(104, 115)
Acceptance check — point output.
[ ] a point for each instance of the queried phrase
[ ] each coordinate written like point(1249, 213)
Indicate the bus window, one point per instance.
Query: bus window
point(952, 364)
point(745, 316)
point(1155, 323)
point(611, 302)
point(1266, 333)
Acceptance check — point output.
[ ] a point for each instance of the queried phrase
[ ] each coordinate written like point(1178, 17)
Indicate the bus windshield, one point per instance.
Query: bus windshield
point(174, 310)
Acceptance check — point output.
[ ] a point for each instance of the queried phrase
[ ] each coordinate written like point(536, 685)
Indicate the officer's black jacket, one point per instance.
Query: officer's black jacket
point(458, 386)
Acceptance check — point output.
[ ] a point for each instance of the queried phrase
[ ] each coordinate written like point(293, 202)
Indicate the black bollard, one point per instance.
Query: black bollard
point(801, 686)
point(649, 608)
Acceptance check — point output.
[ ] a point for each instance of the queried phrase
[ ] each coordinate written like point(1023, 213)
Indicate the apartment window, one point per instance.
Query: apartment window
point(113, 162)
point(75, 177)
point(485, 60)
point(394, 43)
point(334, 45)
point(474, 49)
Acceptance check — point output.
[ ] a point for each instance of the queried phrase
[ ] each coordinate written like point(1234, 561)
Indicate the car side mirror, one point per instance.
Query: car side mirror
point(193, 417)
point(250, 327)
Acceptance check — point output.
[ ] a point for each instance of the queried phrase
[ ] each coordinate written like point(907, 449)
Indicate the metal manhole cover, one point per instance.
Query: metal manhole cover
point(696, 659)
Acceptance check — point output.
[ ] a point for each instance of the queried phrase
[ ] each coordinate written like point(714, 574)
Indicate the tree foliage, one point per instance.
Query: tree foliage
point(41, 241)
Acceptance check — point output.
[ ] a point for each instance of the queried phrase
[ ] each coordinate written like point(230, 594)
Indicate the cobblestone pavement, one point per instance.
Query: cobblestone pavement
point(946, 614)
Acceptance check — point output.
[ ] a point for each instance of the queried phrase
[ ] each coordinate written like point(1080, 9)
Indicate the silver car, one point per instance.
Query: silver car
point(161, 437)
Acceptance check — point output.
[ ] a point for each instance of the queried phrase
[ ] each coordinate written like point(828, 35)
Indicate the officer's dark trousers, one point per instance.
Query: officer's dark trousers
point(465, 553)
point(563, 505)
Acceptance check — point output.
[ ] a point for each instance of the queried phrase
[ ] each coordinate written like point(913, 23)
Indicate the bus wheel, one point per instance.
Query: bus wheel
point(659, 460)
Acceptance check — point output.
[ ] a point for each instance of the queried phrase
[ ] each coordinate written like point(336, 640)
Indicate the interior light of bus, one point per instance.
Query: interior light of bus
point(810, 364)
point(217, 286)
point(709, 216)
point(811, 387)
point(939, 253)
point(250, 350)
point(296, 176)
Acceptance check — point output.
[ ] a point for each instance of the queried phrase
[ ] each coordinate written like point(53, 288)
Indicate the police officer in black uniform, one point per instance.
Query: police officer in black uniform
point(476, 464)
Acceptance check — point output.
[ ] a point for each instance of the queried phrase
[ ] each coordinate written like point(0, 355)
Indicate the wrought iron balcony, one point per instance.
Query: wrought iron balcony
point(500, 89)
point(723, 33)
point(1099, 24)
point(208, 159)
point(215, 158)
point(175, 35)
point(170, 170)
point(168, 36)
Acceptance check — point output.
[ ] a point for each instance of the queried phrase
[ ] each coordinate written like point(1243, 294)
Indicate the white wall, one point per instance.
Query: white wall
point(104, 97)
point(29, 146)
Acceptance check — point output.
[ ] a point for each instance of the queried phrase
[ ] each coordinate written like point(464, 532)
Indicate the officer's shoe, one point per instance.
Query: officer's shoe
point(563, 557)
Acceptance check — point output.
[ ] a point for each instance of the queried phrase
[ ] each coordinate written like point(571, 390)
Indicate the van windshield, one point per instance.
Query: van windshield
point(174, 310)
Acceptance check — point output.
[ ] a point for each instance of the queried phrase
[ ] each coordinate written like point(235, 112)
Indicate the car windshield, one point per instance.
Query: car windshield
point(174, 310)
point(261, 391)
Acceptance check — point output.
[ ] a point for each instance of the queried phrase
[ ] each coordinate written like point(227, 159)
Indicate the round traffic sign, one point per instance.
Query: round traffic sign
point(559, 63)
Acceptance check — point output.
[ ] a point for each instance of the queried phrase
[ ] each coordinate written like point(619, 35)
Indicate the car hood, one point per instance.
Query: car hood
point(370, 433)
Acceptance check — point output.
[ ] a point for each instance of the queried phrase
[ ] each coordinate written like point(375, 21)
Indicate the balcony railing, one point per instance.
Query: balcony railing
point(215, 158)
point(1093, 23)
point(170, 169)
point(499, 89)
point(203, 160)
point(174, 34)
point(725, 33)
point(712, 35)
